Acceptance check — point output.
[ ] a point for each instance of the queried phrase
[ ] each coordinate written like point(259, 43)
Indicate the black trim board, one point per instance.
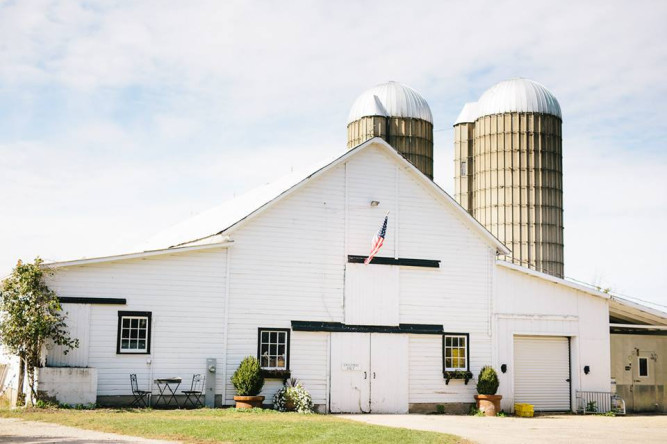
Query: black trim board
point(378, 260)
point(101, 301)
point(630, 331)
point(420, 329)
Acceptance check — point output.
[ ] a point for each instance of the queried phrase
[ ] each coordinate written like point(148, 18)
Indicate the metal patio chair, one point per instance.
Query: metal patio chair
point(141, 397)
point(194, 396)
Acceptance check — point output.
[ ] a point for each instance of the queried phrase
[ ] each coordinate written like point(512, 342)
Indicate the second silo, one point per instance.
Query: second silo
point(508, 170)
point(399, 115)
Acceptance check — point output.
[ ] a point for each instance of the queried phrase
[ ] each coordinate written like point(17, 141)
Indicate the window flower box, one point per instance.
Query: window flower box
point(457, 374)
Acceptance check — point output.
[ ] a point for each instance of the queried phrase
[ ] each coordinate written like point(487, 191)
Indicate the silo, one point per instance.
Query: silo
point(399, 115)
point(464, 131)
point(516, 188)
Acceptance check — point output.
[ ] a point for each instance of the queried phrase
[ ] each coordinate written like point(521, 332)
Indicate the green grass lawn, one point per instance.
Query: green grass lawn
point(230, 425)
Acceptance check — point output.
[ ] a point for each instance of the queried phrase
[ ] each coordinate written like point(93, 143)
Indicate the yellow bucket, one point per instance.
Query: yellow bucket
point(524, 410)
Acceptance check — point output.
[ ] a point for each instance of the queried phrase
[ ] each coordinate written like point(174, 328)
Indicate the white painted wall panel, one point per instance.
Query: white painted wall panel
point(427, 384)
point(310, 363)
point(77, 318)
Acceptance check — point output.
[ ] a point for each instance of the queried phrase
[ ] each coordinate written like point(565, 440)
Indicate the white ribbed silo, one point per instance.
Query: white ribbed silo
point(509, 176)
point(399, 115)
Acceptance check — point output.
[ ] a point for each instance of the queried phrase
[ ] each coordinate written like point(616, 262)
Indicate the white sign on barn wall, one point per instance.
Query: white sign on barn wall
point(351, 367)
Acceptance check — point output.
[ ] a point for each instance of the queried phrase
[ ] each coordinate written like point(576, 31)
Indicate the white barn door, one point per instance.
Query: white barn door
point(371, 294)
point(369, 373)
point(542, 372)
point(389, 373)
point(350, 369)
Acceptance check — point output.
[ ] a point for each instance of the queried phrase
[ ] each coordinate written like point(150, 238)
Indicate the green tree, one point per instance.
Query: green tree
point(31, 318)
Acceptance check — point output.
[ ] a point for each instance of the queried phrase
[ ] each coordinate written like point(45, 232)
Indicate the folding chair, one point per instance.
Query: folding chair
point(141, 397)
point(195, 394)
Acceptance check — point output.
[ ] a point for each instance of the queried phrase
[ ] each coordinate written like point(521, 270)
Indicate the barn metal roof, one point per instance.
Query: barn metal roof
point(390, 99)
point(221, 218)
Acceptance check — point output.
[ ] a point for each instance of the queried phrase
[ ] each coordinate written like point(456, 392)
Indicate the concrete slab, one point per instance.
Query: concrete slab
point(552, 429)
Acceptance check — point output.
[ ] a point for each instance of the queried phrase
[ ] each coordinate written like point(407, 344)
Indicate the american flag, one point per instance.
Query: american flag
point(378, 240)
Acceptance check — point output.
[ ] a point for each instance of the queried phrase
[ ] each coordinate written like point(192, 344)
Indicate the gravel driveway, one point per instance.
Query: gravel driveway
point(542, 429)
point(33, 432)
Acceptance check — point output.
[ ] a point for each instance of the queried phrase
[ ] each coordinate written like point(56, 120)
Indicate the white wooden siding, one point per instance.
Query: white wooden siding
point(427, 384)
point(310, 363)
point(185, 293)
point(78, 325)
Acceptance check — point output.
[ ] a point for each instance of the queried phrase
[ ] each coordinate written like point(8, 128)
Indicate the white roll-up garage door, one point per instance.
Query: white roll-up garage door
point(542, 372)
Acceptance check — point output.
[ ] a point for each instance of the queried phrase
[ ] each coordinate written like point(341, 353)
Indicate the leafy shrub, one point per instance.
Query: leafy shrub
point(440, 409)
point(487, 381)
point(474, 411)
point(248, 379)
point(46, 404)
point(293, 396)
point(592, 407)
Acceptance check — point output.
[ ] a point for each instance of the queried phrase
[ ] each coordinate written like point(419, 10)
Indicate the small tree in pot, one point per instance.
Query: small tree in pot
point(248, 382)
point(487, 386)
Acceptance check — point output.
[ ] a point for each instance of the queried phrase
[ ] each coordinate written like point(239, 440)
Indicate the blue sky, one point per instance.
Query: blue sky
point(118, 119)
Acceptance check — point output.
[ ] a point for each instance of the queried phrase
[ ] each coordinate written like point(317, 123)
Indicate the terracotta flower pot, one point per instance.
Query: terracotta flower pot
point(248, 402)
point(489, 404)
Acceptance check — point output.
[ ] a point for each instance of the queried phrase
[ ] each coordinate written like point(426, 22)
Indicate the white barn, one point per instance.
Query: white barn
point(277, 274)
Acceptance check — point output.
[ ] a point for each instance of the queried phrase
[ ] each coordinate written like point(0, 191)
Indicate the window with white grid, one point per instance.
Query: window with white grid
point(134, 332)
point(456, 352)
point(273, 349)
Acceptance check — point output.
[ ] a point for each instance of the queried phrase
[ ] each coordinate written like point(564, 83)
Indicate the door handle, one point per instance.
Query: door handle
point(373, 375)
point(567, 380)
point(365, 375)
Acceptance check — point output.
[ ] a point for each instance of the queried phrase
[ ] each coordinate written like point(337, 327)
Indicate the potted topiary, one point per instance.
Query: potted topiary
point(487, 386)
point(248, 382)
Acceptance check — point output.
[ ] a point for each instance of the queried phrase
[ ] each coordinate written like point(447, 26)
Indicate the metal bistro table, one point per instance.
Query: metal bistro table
point(167, 388)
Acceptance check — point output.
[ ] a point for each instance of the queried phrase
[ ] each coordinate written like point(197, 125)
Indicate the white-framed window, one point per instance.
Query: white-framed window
point(455, 351)
point(273, 348)
point(642, 364)
point(134, 332)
